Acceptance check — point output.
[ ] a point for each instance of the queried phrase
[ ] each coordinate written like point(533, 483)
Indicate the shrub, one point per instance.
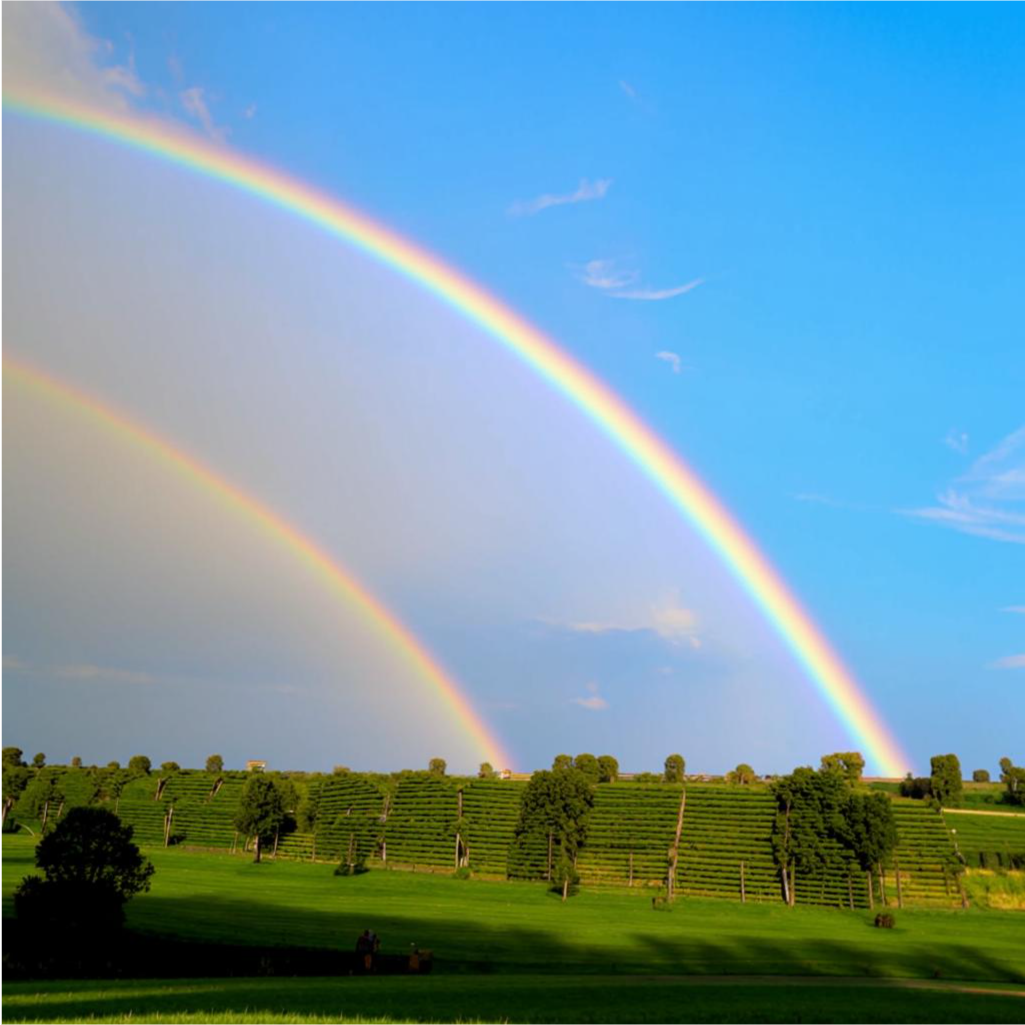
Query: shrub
point(885, 920)
point(437, 766)
point(980, 776)
point(463, 872)
point(169, 767)
point(139, 763)
point(39, 760)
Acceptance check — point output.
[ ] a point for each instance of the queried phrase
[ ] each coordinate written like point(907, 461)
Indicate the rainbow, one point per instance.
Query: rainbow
point(338, 579)
point(653, 457)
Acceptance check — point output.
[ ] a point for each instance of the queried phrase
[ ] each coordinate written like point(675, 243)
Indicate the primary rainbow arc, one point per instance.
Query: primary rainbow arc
point(623, 427)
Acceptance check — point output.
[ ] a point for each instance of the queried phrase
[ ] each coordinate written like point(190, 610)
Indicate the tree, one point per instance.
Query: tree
point(946, 779)
point(215, 765)
point(260, 811)
point(743, 774)
point(437, 766)
point(675, 768)
point(554, 810)
point(13, 756)
point(41, 798)
point(562, 762)
point(809, 815)
point(916, 786)
point(980, 775)
point(849, 764)
point(16, 776)
point(1013, 777)
point(91, 869)
point(588, 765)
point(871, 829)
point(609, 769)
point(39, 760)
point(168, 767)
point(486, 771)
point(140, 764)
point(340, 770)
point(113, 766)
point(76, 762)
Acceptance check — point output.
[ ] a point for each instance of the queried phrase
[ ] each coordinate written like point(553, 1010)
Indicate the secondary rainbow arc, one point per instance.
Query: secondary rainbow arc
point(338, 578)
point(654, 457)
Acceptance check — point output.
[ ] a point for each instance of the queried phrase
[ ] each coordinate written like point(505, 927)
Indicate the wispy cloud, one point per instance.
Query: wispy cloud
point(666, 617)
point(989, 500)
point(250, 112)
point(594, 702)
point(957, 441)
point(672, 358)
point(623, 282)
point(194, 102)
point(1020, 609)
point(655, 294)
point(628, 89)
point(1010, 662)
point(586, 191)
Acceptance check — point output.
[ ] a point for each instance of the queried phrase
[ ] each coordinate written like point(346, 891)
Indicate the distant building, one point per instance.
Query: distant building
point(256, 766)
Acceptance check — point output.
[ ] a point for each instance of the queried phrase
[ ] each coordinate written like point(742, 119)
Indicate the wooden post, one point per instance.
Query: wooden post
point(46, 812)
point(743, 889)
point(630, 882)
point(793, 888)
point(882, 886)
point(786, 886)
point(117, 803)
point(871, 896)
point(674, 851)
point(457, 843)
point(313, 856)
point(548, 876)
point(850, 892)
point(234, 842)
point(167, 825)
point(274, 853)
point(459, 792)
point(964, 896)
point(900, 895)
point(60, 810)
point(8, 804)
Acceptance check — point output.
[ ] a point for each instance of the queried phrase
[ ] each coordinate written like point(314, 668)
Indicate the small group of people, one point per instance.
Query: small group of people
point(367, 946)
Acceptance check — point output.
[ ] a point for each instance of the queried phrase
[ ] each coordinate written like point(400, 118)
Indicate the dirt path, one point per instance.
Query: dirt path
point(972, 811)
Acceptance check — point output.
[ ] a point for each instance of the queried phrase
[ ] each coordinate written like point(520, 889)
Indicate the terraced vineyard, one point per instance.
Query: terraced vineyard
point(421, 821)
point(631, 829)
point(724, 829)
point(988, 841)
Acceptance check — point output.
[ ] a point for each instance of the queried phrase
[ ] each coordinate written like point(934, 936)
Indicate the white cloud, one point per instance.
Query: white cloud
point(622, 282)
point(957, 441)
point(988, 500)
point(586, 191)
point(1010, 662)
point(655, 294)
point(605, 275)
point(594, 702)
point(45, 49)
point(671, 358)
point(666, 617)
point(194, 101)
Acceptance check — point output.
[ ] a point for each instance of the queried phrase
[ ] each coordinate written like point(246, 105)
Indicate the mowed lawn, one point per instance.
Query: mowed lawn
point(503, 927)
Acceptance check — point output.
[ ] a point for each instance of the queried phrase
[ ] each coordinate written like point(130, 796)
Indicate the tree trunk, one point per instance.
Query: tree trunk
point(8, 805)
point(882, 885)
point(871, 895)
point(277, 834)
point(256, 848)
point(46, 812)
point(793, 886)
point(565, 889)
point(548, 876)
point(900, 894)
point(631, 879)
point(786, 886)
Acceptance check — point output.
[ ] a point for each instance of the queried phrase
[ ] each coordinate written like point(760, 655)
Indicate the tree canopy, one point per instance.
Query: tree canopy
point(947, 784)
point(675, 768)
point(1013, 777)
point(215, 765)
point(850, 764)
point(261, 810)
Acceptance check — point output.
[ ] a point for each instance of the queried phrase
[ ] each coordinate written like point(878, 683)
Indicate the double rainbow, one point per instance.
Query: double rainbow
point(609, 413)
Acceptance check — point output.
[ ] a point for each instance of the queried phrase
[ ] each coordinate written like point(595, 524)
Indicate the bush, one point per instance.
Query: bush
point(463, 872)
point(169, 767)
point(980, 776)
point(139, 763)
point(885, 920)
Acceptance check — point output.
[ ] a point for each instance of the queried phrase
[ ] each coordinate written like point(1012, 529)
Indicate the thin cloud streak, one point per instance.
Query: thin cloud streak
point(656, 294)
point(671, 358)
point(586, 192)
point(1010, 662)
point(987, 500)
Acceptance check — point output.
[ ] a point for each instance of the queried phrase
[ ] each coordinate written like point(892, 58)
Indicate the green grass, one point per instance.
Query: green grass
point(520, 927)
point(506, 998)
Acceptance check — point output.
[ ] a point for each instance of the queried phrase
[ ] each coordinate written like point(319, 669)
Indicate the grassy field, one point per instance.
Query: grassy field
point(520, 927)
point(526, 998)
point(513, 951)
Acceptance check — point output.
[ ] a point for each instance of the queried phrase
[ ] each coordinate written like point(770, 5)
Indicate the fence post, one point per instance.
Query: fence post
point(871, 896)
point(900, 894)
point(850, 892)
point(743, 889)
point(631, 880)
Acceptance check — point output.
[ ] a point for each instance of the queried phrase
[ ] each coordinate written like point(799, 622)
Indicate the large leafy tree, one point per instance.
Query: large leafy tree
point(609, 769)
point(742, 774)
point(261, 811)
point(588, 765)
point(674, 769)
point(555, 808)
point(849, 764)
point(1013, 777)
point(215, 765)
point(947, 783)
point(91, 869)
point(871, 829)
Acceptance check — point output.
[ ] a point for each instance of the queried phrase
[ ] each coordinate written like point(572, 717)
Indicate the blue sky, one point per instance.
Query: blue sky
point(833, 195)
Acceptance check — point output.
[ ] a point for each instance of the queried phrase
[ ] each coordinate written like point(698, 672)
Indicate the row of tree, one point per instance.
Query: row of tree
point(945, 785)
